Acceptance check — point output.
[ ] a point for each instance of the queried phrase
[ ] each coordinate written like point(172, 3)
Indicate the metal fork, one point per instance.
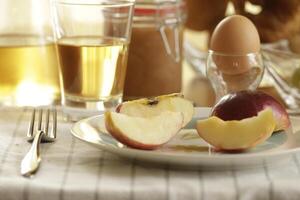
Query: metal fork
point(38, 132)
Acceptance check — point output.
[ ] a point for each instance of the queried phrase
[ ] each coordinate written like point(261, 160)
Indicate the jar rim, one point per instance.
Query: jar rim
point(162, 7)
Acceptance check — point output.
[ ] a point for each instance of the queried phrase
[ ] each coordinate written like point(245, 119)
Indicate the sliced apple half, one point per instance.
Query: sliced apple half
point(245, 104)
point(155, 106)
point(237, 134)
point(143, 133)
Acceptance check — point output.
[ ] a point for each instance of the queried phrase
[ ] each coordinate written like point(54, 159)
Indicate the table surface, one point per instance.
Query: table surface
point(74, 170)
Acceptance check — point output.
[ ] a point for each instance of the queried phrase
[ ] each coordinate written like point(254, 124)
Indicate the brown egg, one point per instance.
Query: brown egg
point(234, 38)
point(235, 35)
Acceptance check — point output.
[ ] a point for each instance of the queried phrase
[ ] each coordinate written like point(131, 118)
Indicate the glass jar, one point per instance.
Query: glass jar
point(155, 52)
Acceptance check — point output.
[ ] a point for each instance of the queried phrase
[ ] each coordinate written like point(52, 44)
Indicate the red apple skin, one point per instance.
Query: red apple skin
point(245, 104)
point(118, 108)
point(125, 140)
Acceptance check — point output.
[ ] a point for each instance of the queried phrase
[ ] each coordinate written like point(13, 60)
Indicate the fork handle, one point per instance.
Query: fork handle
point(32, 159)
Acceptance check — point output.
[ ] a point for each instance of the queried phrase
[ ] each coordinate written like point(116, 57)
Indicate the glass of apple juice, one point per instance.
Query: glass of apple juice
point(28, 58)
point(92, 41)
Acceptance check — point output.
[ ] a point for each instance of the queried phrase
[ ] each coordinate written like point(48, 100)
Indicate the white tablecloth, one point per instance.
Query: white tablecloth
point(74, 170)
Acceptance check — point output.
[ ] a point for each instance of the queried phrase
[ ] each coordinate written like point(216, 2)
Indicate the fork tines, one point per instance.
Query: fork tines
point(41, 119)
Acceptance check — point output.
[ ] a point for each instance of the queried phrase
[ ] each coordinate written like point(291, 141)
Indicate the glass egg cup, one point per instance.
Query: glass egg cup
point(231, 73)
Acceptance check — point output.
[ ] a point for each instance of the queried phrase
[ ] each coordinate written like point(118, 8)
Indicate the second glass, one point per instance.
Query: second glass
point(93, 39)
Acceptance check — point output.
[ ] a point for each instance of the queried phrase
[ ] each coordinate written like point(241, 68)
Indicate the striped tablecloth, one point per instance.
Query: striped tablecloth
point(73, 170)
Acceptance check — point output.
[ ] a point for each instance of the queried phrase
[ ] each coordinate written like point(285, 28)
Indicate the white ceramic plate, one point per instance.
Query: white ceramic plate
point(188, 150)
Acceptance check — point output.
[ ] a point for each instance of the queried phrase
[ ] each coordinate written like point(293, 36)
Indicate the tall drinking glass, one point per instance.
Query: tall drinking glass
point(28, 57)
point(93, 38)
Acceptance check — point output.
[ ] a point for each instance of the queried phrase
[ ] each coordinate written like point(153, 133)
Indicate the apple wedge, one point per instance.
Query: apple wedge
point(155, 106)
point(245, 104)
point(143, 133)
point(237, 134)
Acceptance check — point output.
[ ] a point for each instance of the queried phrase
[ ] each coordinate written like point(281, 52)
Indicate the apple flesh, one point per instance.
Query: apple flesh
point(245, 104)
point(143, 133)
point(237, 135)
point(152, 107)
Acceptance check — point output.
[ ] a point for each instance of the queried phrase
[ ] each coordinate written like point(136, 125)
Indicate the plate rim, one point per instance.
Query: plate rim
point(254, 155)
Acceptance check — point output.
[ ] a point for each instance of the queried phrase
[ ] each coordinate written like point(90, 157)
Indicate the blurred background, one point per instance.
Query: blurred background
point(278, 24)
point(29, 66)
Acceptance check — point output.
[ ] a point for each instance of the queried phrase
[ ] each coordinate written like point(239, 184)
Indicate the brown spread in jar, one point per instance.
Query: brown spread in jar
point(154, 62)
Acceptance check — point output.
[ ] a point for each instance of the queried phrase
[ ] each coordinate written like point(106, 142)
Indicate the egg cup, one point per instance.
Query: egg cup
point(232, 73)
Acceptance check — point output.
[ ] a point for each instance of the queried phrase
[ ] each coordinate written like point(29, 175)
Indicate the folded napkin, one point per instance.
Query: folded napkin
point(73, 170)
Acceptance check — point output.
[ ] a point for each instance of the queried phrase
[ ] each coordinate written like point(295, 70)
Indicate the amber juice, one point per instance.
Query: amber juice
point(28, 71)
point(92, 68)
